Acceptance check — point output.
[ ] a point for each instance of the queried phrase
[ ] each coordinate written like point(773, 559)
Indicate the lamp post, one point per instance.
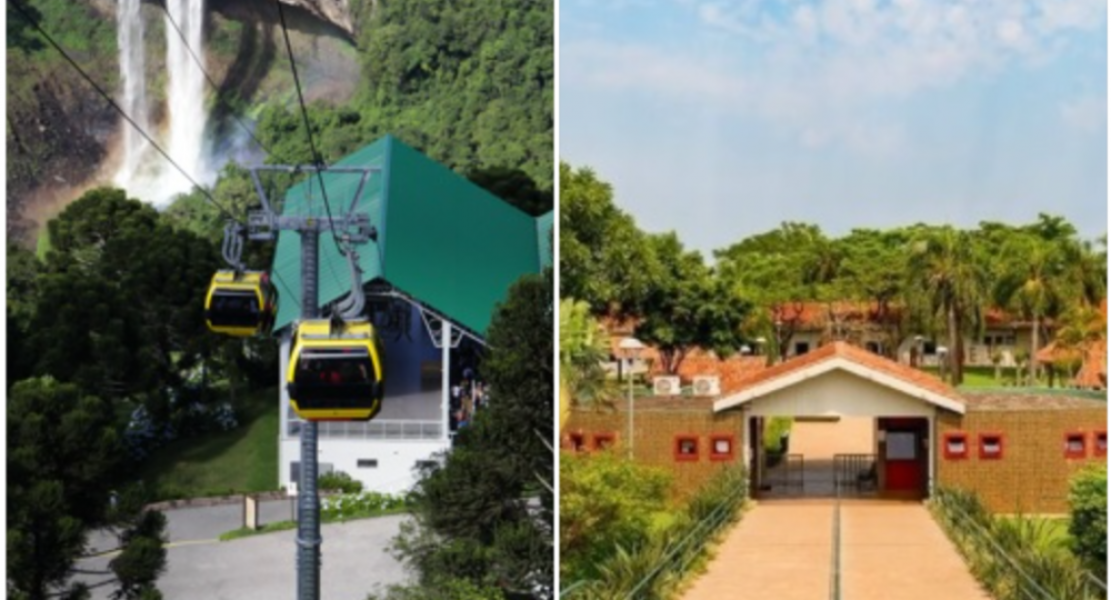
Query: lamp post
point(919, 347)
point(631, 347)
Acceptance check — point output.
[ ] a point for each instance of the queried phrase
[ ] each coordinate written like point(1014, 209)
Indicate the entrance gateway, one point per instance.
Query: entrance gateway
point(876, 421)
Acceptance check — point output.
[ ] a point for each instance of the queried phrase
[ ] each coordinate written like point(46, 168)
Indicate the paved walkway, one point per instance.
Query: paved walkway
point(781, 550)
point(896, 551)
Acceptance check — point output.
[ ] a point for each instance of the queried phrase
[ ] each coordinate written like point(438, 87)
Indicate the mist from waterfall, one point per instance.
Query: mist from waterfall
point(134, 97)
point(143, 172)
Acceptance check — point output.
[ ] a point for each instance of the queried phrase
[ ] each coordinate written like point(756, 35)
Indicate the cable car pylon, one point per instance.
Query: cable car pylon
point(347, 352)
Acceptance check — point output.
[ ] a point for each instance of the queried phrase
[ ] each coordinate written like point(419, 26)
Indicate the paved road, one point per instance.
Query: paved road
point(262, 567)
point(781, 550)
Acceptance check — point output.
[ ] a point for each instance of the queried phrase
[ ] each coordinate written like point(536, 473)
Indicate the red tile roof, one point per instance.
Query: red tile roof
point(811, 314)
point(846, 351)
point(730, 371)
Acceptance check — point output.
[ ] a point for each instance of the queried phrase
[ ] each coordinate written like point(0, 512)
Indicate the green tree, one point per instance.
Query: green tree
point(604, 259)
point(689, 307)
point(486, 515)
point(1032, 283)
point(947, 282)
point(583, 346)
point(64, 460)
point(119, 303)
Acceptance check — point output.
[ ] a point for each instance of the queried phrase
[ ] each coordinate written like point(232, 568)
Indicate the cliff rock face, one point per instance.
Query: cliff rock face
point(336, 12)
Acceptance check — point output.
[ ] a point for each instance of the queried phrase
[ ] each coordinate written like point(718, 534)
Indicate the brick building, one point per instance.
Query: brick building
point(1016, 450)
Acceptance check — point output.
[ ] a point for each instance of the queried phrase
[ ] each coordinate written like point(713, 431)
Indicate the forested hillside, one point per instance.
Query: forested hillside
point(470, 83)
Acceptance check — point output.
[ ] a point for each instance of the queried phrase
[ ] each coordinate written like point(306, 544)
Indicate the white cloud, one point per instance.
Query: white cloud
point(819, 66)
point(1086, 113)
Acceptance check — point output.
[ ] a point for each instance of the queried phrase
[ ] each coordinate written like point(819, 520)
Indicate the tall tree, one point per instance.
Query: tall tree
point(486, 515)
point(1032, 283)
point(689, 308)
point(64, 459)
point(605, 260)
point(946, 275)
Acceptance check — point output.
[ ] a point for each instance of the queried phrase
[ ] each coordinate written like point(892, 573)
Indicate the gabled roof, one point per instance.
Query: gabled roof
point(846, 357)
point(441, 239)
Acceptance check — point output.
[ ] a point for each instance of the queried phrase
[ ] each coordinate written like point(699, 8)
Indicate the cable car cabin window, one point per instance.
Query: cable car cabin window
point(234, 308)
point(334, 378)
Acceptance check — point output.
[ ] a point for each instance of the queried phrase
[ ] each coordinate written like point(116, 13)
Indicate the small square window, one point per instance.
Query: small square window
point(721, 447)
point(991, 446)
point(604, 441)
point(1099, 443)
point(577, 442)
point(367, 463)
point(686, 448)
point(955, 446)
point(1074, 446)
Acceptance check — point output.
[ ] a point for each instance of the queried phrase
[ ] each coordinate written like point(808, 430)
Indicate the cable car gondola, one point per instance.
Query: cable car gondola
point(240, 304)
point(335, 371)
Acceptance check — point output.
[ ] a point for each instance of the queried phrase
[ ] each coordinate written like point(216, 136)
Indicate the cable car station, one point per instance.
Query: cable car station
point(442, 253)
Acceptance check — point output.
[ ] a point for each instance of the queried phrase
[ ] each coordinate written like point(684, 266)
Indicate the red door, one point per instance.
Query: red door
point(904, 467)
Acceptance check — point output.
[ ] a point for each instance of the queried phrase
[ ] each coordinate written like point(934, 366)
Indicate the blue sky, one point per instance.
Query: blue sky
point(720, 119)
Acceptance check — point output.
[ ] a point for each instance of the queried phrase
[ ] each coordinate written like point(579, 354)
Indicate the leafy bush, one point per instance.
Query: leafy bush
point(1012, 557)
point(654, 566)
point(338, 480)
point(1088, 511)
point(354, 506)
point(605, 501)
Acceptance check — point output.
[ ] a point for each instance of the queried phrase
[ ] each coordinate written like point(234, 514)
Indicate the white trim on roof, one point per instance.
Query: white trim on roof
point(830, 364)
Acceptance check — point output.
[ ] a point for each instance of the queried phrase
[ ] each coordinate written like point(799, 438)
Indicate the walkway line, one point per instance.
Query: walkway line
point(835, 554)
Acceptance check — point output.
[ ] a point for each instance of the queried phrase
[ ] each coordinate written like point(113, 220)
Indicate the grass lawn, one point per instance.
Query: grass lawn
point(981, 377)
point(242, 460)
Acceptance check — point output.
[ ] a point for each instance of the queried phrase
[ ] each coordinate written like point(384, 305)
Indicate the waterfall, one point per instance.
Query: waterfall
point(134, 97)
point(185, 96)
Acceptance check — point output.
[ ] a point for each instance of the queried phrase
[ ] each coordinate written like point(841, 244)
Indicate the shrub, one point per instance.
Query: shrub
point(1088, 512)
point(682, 543)
point(605, 501)
point(1013, 558)
point(338, 480)
point(353, 506)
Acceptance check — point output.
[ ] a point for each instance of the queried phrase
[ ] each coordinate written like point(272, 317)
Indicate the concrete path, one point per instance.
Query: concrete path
point(896, 551)
point(782, 550)
point(779, 551)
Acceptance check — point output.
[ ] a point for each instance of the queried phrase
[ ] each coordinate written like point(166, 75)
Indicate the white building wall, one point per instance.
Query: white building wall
point(394, 472)
point(838, 393)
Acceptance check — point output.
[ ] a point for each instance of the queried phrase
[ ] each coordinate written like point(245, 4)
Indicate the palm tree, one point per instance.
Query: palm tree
point(1033, 282)
point(583, 346)
point(946, 276)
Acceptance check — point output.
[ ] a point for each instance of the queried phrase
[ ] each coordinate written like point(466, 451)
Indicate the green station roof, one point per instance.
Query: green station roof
point(441, 239)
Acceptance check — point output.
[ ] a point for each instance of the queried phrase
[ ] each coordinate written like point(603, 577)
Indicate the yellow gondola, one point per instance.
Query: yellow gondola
point(240, 305)
point(335, 372)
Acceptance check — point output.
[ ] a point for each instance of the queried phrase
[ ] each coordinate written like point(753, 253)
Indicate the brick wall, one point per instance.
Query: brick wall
point(654, 439)
point(1032, 474)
